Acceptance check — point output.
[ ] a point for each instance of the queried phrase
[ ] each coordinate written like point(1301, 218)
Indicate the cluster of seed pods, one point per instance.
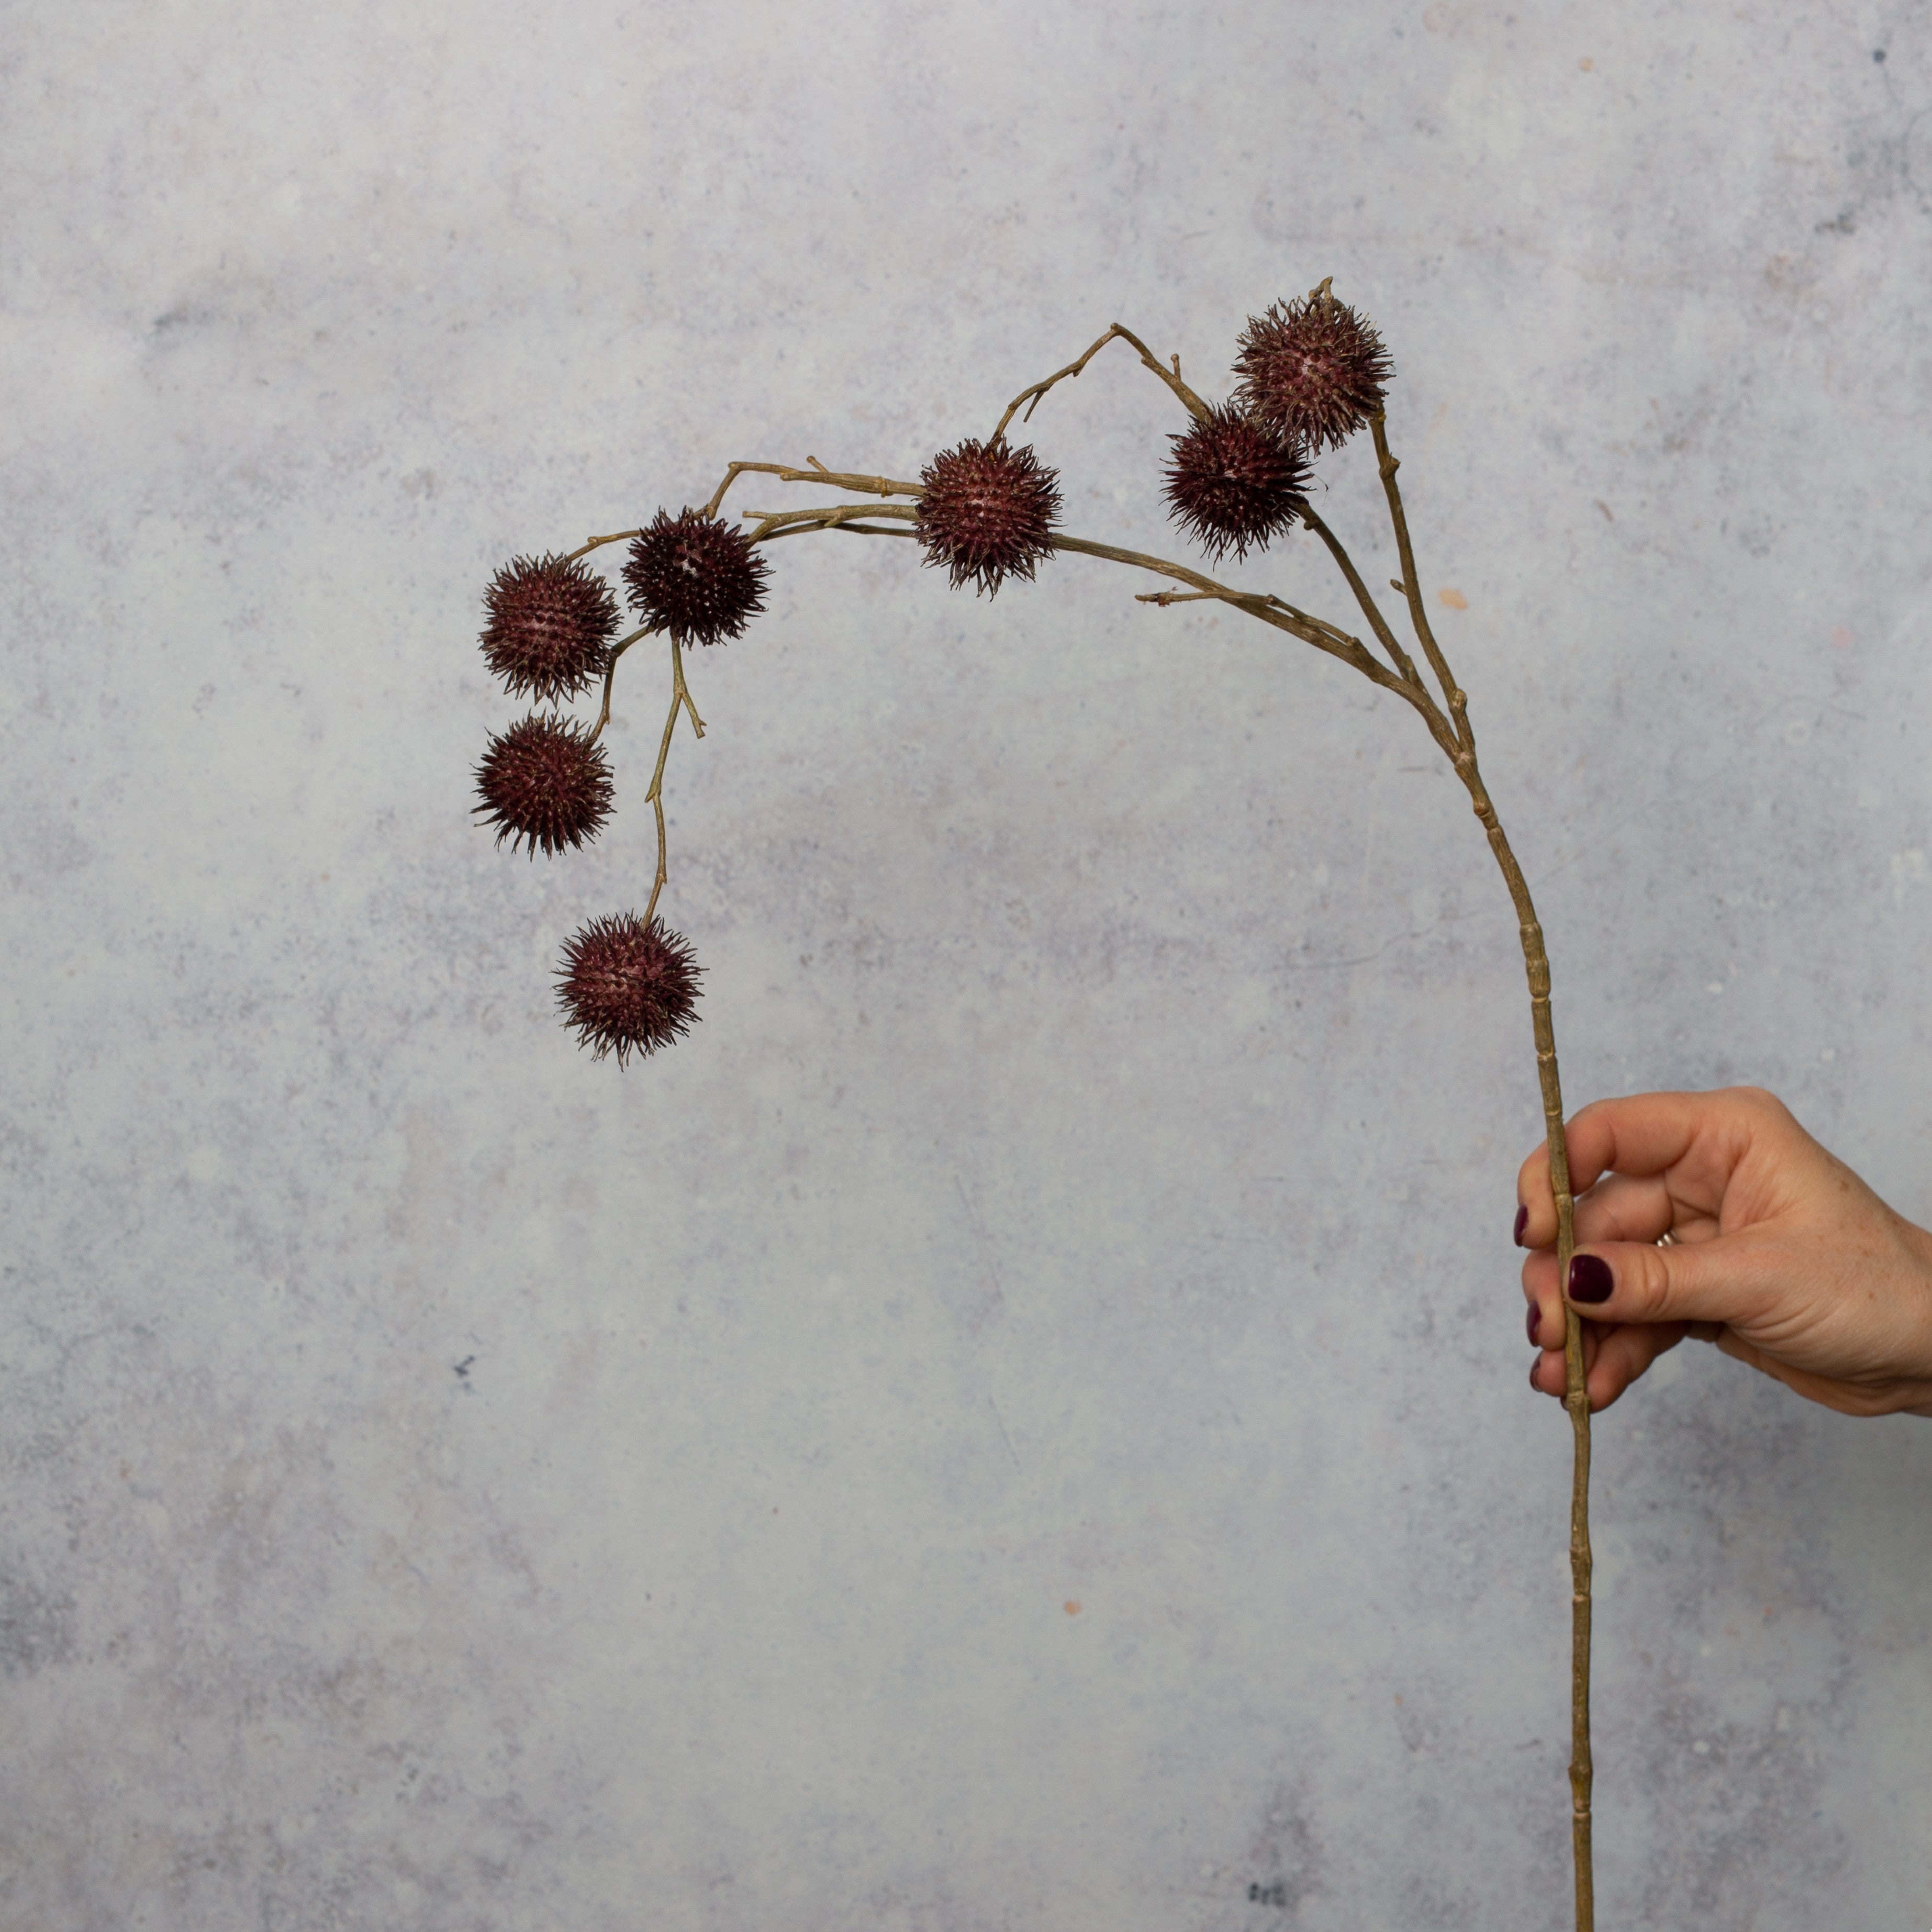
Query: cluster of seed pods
point(1309, 373)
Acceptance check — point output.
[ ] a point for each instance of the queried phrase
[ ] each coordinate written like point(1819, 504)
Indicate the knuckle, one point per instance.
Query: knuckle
point(1761, 1100)
point(1649, 1282)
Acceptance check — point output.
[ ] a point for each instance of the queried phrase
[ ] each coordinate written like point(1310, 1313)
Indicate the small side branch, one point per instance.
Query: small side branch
point(610, 677)
point(1254, 601)
point(1194, 407)
point(1370, 609)
point(823, 516)
point(683, 691)
point(680, 701)
point(1411, 588)
point(597, 543)
point(814, 471)
point(1269, 609)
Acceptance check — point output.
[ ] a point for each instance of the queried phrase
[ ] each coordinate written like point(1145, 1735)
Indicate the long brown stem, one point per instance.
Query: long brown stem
point(1455, 735)
point(1536, 962)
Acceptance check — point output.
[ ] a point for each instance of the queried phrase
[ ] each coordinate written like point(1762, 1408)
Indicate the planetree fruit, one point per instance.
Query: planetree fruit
point(984, 512)
point(550, 622)
point(545, 783)
point(1233, 481)
point(1313, 369)
point(627, 985)
point(695, 577)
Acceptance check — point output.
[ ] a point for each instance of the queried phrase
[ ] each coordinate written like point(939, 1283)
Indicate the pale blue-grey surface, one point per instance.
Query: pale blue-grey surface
point(450, 1483)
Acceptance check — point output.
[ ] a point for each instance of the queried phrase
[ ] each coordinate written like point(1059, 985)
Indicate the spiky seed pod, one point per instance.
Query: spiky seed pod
point(985, 513)
point(627, 987)
point(1233, 482)
point(551, 623)
point(1314, 370)
point(544, 781)
point(695, 577)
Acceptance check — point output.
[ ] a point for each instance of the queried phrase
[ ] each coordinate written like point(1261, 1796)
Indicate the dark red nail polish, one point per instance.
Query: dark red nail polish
point(1522, 1222)
point(1535, 1323)
point(1590, 1280)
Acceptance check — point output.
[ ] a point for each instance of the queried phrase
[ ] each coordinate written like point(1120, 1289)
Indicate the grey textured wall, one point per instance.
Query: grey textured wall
point(450, 1483)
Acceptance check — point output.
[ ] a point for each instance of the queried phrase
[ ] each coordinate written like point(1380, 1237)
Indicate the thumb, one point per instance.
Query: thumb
point(1635, 1281)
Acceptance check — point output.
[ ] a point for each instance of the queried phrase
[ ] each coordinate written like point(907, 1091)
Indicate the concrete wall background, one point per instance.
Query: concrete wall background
point(452, 1483)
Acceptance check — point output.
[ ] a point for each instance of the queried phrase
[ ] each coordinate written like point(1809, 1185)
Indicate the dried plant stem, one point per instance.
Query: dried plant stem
point(597, 543)
point(617, 650)
point(1536, 962)
point(814, 471)
point(1193, 404)
point(680, 698)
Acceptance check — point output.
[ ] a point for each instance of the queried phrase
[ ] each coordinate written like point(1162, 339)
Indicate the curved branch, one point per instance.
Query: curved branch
point(1194, 407)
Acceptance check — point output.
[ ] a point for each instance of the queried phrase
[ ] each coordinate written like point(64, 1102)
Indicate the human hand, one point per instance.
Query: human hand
point(1780, 1254)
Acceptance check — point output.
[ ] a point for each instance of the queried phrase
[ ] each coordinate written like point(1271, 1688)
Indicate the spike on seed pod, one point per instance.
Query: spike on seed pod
point(627, 987)
point(1313, 369)
point(1233, 482)
point(544, 782)
point(695, 577)
point(551, 625)
point(985, 513)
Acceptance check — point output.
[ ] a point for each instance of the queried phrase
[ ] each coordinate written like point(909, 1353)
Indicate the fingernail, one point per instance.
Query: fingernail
point(1522, 1222)
point(1590, 1280)
point(1535, 1323)
point(1536, 1362)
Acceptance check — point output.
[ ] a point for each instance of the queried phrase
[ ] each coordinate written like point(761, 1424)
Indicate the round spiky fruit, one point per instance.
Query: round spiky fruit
point(545, 783)
point(986, 512)
point(696, 578)
point(627, 987)
point(1233, 482)
point(551, 623)
point(1313, 369)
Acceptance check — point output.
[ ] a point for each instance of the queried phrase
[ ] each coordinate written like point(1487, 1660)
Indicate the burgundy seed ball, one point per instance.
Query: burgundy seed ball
point(545, 783)
point(695, 577)
point(985, 513)
point(1313, 369)
point(551, 622)
point(627, 987)
point(1233, 481)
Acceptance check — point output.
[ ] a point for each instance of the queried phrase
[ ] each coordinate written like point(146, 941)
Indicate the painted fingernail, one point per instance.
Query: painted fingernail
point(1535, 1363)
point(1535, 1323)
point(1522, 1222)
point(1590, 1280)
